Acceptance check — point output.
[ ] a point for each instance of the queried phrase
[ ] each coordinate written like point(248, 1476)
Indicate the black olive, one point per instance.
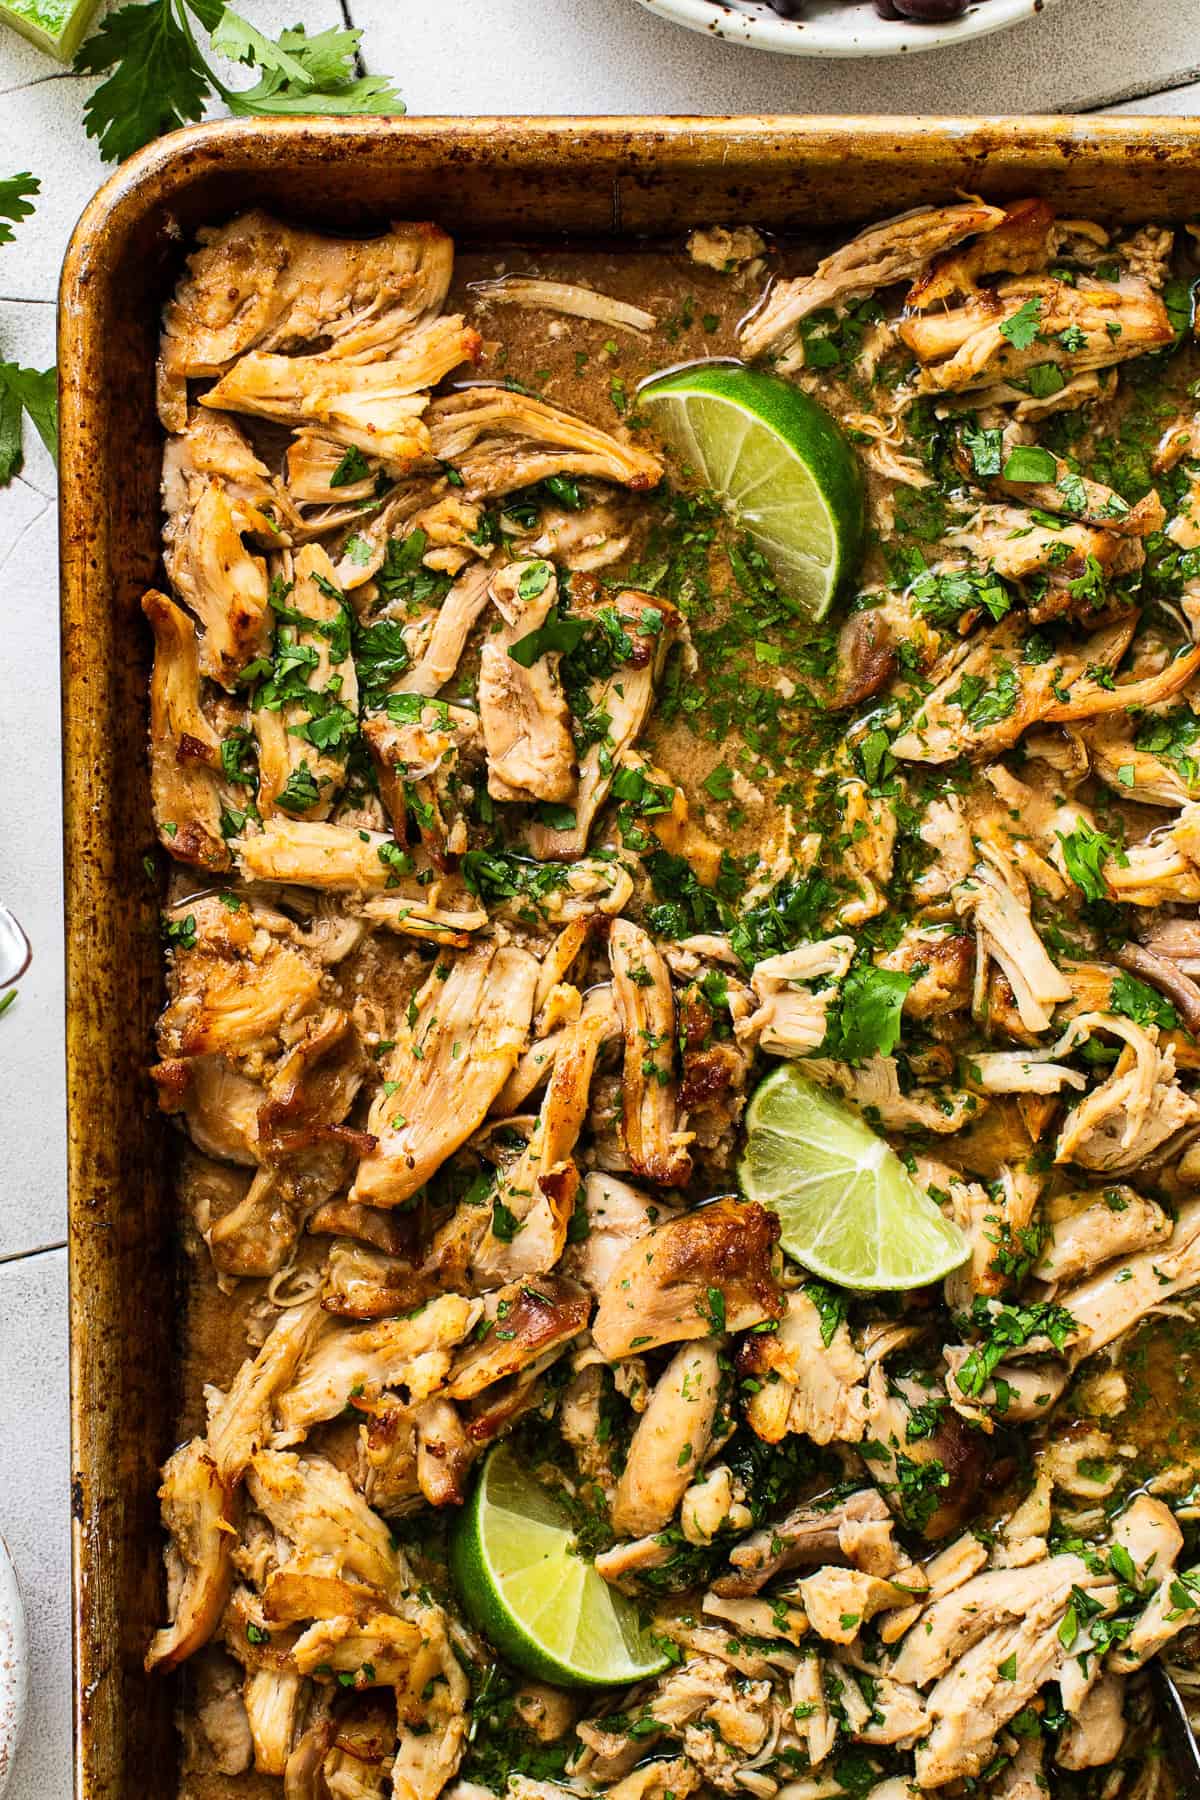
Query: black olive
point(931, 12)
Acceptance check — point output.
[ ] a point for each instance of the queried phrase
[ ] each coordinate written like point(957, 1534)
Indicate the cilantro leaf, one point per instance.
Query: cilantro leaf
point(1029, 462)
point(1084, 854)
point(832, 1305)
point(985, 447)
point(158, 77)
point(1141, 1003)
point(302, 74)
point(556, 634)
point(158, 80)
point(867, 1018)
point(1022, 327)
point(32, 391)
point(15, 203)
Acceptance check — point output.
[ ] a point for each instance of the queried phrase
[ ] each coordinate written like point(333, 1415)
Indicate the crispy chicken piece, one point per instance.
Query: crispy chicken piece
point(1009, 541)
point(315, 1506)
point(1133, 773)
point(660, 1290)
point(873, 1086)
point(293, 763)
point(1093, 1738)
point(535, 1197)
point(313, 1087)
point(954, 1622)
point(259, 284)
point(210, 447)
point(184, 748)
point(856, 1528)
point(995, 1224)
point(364, 550)
point(805, 1382)
point(967, 347)
point(671, 1441)
point(273, 1700)
point(199, 1516)
point(333, 858)
point(1117, 1296)
point(623, 698)
point(431, 1714)
point(528, 1321)
point(790, 1018)
point(375, 407)
point(568, 297)
point(941, 1574)
point(499, 440)
point(449, 629)
point(897, 250)
point(446, 1069)
point(654, 1127)
point(1133, 1115)
point(1087, 1229)
point(522, 711)
point(617, 1215)
point(939, 958)
point(413, 1354)
point(972, 1702)
point(937, 1503)
point(240, 1422)
point(394, 1462)
point(378, 1649)
point(256, 1236)
point(996, 897)
point(235, 989)
point(1080, 498)
point(839, 1602)
point(318, 475)
point(421, 762)
point(1162, 973)
point(962, 717)
point(1019, 244)
point(222, 582)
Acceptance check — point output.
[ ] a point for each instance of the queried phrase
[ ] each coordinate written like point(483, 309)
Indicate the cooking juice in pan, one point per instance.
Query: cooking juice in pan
point(687, 1106)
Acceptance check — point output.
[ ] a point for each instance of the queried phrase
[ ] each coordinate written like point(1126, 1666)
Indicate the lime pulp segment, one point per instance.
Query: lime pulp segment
point(849, 1210)
point(779, 464)
point(543, 1605)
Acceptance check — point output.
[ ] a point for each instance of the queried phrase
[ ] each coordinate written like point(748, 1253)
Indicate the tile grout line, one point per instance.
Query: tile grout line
point(17, 1256)
point(347, 20)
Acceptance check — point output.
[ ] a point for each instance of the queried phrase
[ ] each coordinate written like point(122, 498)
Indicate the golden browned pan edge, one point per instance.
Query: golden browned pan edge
point(481, 178)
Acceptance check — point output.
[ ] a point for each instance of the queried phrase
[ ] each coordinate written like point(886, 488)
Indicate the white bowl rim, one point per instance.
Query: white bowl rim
point(14, 1665)
point(861, 32)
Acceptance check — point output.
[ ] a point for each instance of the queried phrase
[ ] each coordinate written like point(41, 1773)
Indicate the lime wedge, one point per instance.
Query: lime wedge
point(779, 464)
point(850, 1211)
point(542, 1606)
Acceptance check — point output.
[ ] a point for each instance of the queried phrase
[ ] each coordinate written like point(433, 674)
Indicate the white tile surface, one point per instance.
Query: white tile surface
point(32, 1150)
point(34, 1507)
point(542, 56)
point(465, 56)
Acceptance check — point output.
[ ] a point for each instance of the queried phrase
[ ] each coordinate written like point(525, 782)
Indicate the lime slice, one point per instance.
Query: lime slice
point(779, 464)
point(546, 1609)
point(849, 1209)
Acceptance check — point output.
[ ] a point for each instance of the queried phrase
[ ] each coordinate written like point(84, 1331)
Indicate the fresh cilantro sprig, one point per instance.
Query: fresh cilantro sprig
point(15, 201)
point(158, 77)
point(32, 391)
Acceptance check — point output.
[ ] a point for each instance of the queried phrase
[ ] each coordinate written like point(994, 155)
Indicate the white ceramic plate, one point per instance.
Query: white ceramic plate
point(14, 1661)
point(838, 27)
